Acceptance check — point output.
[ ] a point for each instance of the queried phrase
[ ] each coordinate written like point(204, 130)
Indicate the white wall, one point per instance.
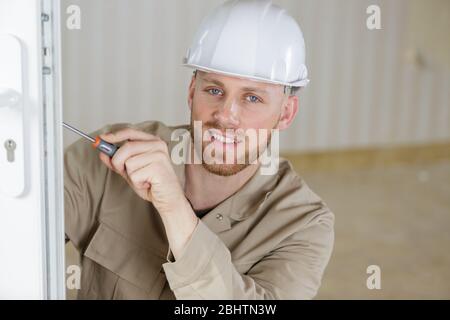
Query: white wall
point(368, 88)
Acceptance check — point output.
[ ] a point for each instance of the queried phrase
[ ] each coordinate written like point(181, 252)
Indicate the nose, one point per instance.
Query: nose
point(228, 114)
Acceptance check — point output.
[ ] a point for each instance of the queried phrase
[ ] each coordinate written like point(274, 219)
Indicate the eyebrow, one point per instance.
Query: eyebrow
point(254, 90)
point(248, 89)
point(214, 81)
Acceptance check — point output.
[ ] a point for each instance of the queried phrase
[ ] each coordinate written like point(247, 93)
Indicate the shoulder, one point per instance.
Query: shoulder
point(296, 203)
point(157, 128)
point(154, 127)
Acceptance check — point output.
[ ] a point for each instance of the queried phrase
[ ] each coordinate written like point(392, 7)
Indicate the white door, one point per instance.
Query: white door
point(31, 205)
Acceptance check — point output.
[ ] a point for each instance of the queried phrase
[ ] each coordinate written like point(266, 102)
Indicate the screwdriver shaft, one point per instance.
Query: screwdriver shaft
point(78, 132)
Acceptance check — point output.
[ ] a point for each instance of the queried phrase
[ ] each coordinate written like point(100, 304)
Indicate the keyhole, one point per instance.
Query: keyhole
point(10, 146)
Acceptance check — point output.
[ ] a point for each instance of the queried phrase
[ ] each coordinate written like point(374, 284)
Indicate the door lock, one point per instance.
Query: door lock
point(10, 146)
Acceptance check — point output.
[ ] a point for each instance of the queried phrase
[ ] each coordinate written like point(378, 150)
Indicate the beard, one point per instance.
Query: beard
point(227, 169)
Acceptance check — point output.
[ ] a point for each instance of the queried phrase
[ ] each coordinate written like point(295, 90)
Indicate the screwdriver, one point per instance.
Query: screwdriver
point(98, 143)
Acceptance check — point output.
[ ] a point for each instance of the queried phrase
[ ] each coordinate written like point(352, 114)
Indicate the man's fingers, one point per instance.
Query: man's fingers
point(127, 134)
point(133, 148)
point(106, 160)
point(136, 162)
point(141, 177)
point(141, 160)
point(135, 157)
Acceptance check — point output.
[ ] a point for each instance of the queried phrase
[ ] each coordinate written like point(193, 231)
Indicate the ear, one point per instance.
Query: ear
point(288, 112)
point(191, 91)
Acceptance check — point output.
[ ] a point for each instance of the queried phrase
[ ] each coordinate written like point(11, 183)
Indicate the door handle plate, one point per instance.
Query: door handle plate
point(12, 173)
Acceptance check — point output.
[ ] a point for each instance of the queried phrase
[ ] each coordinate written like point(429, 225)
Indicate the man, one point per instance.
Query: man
point(148, 227)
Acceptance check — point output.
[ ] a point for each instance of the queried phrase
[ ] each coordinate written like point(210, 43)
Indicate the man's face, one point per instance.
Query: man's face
point(231, 109)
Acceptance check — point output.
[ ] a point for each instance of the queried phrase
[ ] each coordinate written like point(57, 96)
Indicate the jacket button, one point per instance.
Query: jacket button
point(219, 216)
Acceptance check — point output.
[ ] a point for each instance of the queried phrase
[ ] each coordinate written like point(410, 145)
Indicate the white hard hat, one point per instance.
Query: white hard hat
point(252, 39)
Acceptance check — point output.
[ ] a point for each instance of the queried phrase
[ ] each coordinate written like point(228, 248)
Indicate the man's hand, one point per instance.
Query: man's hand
point(144, 162)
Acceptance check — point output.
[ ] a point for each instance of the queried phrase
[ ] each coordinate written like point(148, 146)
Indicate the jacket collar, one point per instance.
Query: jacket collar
point(239, 206)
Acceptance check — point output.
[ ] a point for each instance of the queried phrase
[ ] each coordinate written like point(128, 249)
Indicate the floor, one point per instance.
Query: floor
point(396, 217)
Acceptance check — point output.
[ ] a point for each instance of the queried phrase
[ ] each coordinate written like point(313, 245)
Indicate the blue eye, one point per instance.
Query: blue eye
point(253, 99)
point(215, 91)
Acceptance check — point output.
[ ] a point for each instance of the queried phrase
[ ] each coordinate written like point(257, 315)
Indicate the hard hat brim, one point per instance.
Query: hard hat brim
point(300, 83)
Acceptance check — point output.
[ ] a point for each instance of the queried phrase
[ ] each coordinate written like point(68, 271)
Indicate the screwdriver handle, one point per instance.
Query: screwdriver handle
point(105, 147)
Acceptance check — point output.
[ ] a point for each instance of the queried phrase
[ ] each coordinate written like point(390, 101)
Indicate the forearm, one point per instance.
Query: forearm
point(179, 224)
point(205, 271)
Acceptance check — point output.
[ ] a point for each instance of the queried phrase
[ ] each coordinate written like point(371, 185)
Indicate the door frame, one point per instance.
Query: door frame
point(53, 218)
